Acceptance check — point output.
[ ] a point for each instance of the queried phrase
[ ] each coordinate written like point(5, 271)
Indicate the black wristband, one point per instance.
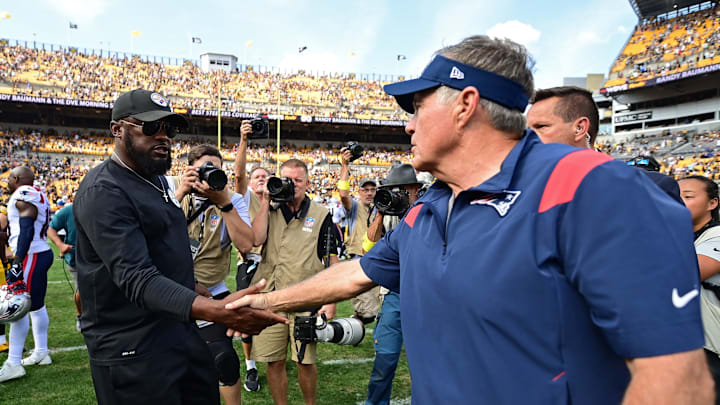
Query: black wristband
point(227, 207)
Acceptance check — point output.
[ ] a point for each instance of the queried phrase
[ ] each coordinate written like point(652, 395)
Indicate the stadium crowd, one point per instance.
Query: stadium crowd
point(67, 73)
point(680, 154)
point(61, 161)
point(661, 47)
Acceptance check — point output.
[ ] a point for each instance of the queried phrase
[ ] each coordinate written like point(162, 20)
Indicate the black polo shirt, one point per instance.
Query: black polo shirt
point(135, 271)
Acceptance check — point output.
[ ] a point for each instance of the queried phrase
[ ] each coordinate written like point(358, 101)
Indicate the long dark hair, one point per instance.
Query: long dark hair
point(711, 189)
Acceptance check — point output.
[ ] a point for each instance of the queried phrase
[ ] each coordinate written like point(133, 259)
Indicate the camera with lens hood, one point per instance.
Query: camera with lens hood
point(343, 331)
point(281, 189)
point(392, 201)
point(215, 177)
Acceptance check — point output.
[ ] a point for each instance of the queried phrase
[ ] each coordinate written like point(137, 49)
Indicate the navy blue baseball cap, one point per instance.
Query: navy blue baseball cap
point(443, 71)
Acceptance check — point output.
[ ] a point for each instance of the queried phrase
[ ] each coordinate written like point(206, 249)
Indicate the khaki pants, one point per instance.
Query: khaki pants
point(367, 304)
point(271, 344)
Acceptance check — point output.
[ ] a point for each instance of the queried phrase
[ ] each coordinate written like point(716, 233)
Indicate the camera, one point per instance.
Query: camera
point(215, 178)
point(281, 189)
point(393, 201)
point(260, 127)
point(343, 331)
point(355, 149)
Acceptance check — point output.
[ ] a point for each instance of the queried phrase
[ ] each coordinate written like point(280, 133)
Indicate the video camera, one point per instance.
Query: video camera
point(343, 331)
point(356, 149)
point(281, 189)
point(260, 127)
point(392, 201)
point(215, 178)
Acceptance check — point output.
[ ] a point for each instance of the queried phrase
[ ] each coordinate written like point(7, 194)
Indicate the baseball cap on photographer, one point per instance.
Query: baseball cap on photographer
point(443, 71)
point(144, 105)
point(367, 180)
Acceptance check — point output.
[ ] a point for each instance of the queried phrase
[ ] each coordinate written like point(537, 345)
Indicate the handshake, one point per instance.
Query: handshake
point(240, 318)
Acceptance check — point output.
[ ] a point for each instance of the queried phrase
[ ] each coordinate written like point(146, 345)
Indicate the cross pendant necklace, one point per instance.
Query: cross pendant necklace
point(162, 190)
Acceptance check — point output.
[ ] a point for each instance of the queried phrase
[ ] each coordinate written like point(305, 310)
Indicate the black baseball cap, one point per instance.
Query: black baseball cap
point(144, 105)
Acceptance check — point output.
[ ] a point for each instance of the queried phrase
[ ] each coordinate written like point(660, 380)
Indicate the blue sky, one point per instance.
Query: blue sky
point(567, 38)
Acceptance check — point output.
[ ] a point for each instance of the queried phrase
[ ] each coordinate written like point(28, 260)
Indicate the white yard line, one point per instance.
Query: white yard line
point(404, 401)
point(68, 349)
point(347, 361)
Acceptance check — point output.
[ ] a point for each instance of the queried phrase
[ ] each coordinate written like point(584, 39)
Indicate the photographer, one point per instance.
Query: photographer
point(216, 217)
point(254, 194)
point(296, 242)
point(402, 184)
point(358, 214)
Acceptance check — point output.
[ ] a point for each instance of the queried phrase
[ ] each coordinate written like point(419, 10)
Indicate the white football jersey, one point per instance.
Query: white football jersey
point(34, 196)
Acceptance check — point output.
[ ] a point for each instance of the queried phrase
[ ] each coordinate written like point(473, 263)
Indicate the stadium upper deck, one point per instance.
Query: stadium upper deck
point(69, 77)
point(668, 47)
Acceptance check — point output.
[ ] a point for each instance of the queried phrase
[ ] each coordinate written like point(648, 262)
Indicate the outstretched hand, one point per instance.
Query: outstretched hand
point(249, 319)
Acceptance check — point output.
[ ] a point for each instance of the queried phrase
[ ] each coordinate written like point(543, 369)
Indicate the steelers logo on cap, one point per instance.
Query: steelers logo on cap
point(159, 100)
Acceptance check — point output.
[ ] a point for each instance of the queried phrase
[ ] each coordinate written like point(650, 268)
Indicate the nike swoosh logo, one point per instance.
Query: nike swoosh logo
point(680, 301)
point(716, 249)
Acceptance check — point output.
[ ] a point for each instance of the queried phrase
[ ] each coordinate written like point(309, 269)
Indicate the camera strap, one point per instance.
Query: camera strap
point(205, 205)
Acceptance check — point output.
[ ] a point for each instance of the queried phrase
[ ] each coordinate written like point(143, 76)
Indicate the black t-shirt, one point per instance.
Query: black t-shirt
point(135, 271)
point(327, 226)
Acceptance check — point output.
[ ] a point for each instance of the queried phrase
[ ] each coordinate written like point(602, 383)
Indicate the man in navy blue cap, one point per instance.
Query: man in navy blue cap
point(547, 274)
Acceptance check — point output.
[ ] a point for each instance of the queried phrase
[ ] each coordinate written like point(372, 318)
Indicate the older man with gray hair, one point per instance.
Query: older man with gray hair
point(500, 263)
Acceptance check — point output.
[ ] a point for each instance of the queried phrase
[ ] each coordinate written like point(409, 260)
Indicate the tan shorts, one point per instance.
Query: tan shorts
point(271, 344)
point(367, 304)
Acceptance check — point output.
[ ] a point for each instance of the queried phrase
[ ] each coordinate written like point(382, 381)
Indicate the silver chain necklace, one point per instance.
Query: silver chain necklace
point(161, 190)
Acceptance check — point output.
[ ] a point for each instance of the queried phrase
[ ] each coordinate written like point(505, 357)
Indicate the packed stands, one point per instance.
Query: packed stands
point(69, 74)
point(61, 160)
point(681, 154)
point(661, 47)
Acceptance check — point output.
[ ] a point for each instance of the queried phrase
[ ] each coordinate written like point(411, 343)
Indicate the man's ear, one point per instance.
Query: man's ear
point(466, 105)
point(581, 128)
point(115, 129)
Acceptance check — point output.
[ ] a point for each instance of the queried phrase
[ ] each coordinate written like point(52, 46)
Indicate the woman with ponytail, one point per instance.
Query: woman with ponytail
point(700, 195)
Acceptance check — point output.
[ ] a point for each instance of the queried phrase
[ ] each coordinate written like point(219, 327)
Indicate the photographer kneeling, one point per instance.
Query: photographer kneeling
point(396, 194)
point(216, 217)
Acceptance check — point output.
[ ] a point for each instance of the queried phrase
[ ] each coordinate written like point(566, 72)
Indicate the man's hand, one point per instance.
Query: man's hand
point(202, 290)
point(64, 249)
point(220, 198)
point(187, 181)
point(248, 319)
point(345, 156)
point(245, 130)
point(330, 310)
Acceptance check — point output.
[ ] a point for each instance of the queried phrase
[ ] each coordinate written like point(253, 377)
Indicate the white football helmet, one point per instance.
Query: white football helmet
point(13, 306)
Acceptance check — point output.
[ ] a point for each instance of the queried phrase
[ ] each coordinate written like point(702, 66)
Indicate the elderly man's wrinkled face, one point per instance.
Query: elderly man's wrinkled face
point(430, 130)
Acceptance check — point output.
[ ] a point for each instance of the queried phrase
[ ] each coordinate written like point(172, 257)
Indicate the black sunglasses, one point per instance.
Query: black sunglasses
point(150, 128)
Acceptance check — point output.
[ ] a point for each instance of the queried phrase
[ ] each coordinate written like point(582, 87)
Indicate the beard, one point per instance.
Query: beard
point(147, 164)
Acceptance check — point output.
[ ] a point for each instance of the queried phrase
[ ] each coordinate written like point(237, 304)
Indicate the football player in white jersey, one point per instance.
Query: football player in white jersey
point(28, 216)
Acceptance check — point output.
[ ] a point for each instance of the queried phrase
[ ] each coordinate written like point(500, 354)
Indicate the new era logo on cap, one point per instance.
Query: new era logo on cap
point(456, 73)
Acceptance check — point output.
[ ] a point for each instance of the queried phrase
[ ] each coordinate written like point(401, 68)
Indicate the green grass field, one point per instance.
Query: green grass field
point(68, 381)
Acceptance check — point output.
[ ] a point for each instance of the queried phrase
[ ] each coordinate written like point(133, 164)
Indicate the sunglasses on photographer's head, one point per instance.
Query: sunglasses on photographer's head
point(150, 128)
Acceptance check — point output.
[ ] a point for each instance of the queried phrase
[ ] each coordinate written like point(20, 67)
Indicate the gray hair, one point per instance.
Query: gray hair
point(501, 56)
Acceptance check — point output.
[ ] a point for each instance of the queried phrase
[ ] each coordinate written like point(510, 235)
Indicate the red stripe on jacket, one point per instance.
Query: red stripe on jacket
point(567, 175)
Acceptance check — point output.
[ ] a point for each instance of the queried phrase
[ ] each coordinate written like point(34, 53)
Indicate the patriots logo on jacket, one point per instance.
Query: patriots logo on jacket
point(501, 202)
